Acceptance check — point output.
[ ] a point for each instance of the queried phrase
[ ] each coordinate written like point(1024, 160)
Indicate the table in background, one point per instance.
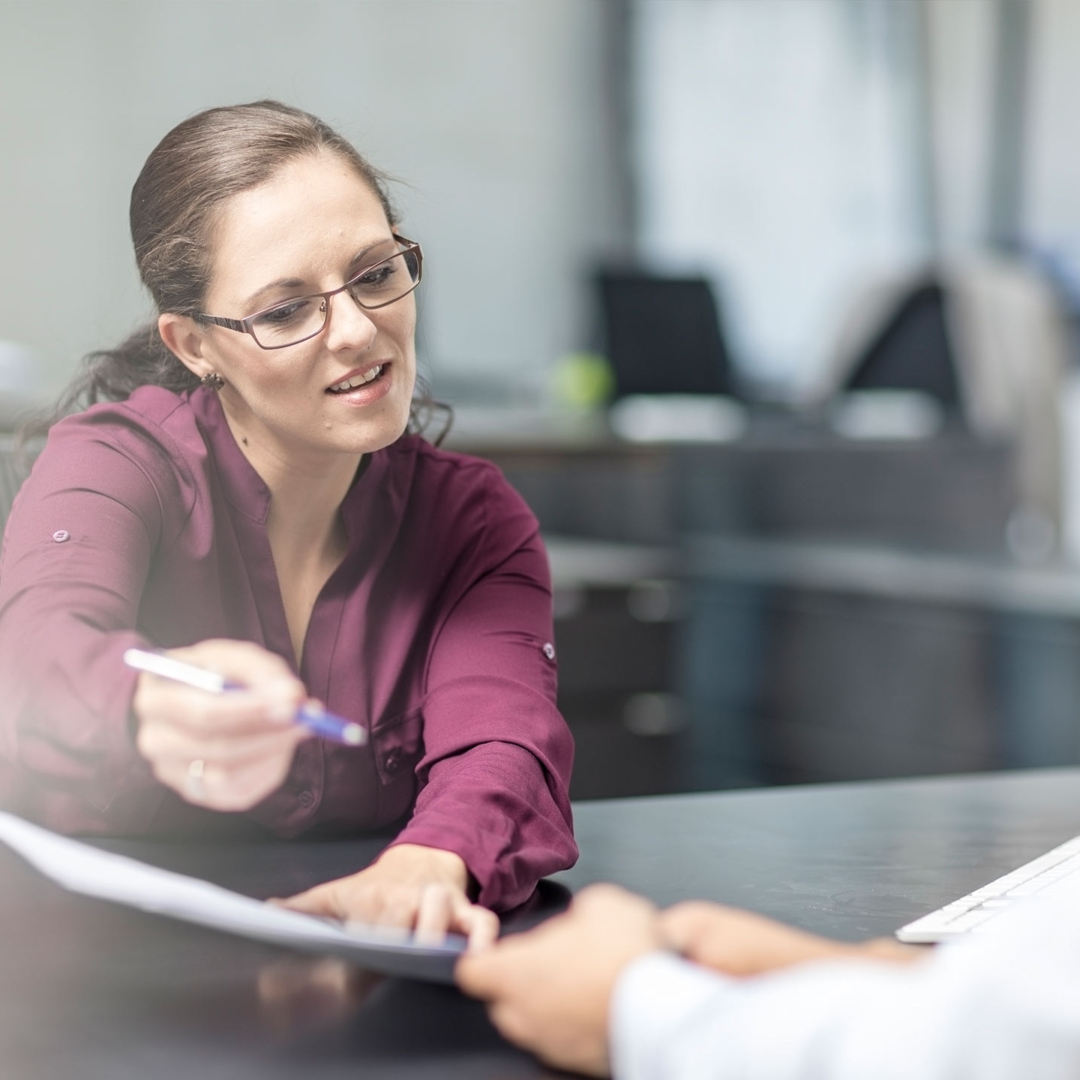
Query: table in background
point(97, 992)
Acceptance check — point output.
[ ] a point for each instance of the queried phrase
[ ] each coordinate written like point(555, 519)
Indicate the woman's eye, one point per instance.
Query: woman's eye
point(283, 313)
point(376, 276)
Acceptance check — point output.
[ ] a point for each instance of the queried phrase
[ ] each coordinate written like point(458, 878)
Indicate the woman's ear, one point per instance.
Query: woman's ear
point(183, 337)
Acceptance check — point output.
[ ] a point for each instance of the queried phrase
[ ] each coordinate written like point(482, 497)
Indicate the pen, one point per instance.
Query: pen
point(313, 718)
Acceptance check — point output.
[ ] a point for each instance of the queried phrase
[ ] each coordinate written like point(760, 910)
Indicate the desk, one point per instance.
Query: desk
point(949, 493)
point(95, 992)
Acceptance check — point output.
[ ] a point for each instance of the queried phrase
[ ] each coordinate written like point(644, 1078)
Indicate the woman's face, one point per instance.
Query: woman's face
point(310, 228)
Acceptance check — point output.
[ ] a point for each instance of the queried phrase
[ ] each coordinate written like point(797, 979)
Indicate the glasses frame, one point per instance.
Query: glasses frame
point(244, 326)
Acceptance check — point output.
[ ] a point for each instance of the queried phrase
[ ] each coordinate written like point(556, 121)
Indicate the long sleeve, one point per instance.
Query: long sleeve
point(993, 1007)
point(497, 754)
point(77, 552)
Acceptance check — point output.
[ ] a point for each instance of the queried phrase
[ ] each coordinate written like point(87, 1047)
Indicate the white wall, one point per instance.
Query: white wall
point(962, 43)
point(492, 111)
point(1052, 175)
point(776, 152)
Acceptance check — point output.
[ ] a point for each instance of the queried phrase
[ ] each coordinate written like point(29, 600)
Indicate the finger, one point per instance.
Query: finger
point(160, 742)
point(217, 789)
point(434, 915)
point(238, 777)
point(263, 673)
point(479, 925)
point(240, 788)
point(683, 924)
point(198, 711)
point(239, 661)
point(398, 906)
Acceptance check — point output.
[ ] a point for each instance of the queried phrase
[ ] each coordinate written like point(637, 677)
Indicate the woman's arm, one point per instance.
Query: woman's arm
point(82, 737)
point(77, 552)
point(497, 754)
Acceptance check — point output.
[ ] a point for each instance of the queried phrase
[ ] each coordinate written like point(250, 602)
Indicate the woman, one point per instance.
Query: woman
point(246, 497)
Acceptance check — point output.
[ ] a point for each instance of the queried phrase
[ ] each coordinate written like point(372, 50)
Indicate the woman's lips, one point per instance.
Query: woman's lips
point(366, 392)
point(358, 377)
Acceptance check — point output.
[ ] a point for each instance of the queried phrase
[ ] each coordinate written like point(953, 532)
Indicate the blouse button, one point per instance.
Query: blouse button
point(306, 799)
point(549, 650)
point(392, 761)
point(61, 535)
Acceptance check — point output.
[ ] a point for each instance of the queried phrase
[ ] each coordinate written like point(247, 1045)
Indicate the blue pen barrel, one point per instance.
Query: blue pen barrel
point(332, 727)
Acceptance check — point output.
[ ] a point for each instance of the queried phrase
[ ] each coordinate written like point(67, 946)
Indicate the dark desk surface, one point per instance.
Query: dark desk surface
point(96, 992)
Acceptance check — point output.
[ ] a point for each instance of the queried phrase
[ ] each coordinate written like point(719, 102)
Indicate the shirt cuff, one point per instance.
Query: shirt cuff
point(653, 998)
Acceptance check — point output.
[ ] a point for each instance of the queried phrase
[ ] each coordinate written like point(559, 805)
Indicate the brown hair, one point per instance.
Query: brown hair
point(197, 167)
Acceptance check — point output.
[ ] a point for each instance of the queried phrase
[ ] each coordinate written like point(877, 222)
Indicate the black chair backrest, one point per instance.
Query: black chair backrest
point(663, 334)
point(912, 350)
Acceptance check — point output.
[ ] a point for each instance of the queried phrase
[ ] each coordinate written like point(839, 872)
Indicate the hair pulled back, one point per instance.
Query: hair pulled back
point(197, 167)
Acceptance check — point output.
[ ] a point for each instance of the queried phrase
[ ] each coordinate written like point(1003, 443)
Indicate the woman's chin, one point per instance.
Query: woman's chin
point(373, 433)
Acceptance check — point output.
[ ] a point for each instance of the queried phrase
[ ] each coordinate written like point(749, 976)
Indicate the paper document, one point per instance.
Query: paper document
point(85, 869)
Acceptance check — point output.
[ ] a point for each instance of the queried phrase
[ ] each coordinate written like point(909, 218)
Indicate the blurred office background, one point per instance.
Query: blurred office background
point(781, 345)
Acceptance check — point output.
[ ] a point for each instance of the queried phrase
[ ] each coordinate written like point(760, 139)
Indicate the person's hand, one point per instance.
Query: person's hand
point(222, 751)
point(408, 886)
point(741, 943)
point(549, 990)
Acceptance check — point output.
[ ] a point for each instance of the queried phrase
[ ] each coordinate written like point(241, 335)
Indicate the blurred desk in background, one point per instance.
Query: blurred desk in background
point(618, 608)
point(731, 661)
point(821, 608)
point(892, 573)
point(952, 491)
point(877, 661)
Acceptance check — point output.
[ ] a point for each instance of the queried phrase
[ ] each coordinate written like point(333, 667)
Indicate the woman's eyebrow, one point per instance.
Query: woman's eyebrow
point(296, 283)
point(365, 251)
point(283, 283)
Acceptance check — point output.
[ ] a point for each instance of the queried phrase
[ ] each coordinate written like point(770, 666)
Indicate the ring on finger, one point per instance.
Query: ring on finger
point(193, 781)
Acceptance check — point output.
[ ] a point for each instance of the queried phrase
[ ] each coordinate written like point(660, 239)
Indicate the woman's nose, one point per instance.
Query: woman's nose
point(349, 326)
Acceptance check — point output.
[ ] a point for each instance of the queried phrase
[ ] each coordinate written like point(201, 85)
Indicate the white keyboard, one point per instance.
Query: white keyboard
point(973, 911)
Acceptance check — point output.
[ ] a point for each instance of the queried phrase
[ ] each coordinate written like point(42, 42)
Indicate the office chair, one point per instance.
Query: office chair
point(663, 335)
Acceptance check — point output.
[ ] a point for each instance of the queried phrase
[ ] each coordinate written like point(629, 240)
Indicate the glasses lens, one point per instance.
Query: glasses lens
point(387, 281)
point(290, 322)
point(297, 320)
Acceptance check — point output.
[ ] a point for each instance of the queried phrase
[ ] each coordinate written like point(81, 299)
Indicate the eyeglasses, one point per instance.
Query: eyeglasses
point(304, 317)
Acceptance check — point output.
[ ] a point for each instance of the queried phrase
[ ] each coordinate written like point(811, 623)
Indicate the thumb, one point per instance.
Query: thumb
point(480, 974)
point(321, 900)
point(477, 923)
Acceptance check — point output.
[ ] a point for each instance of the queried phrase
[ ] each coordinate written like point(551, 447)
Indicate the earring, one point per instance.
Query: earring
point(212, 381)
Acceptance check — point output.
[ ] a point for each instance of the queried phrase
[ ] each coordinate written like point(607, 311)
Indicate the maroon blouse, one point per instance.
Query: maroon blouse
point(143, 523)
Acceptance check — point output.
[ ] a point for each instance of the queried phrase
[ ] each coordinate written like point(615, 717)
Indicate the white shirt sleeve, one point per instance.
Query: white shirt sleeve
point(995, 1006)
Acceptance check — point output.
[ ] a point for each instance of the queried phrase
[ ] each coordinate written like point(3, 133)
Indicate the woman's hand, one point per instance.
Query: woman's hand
point(741, 943)
point(549, 990)
point(408, 886)
point(222, 751)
